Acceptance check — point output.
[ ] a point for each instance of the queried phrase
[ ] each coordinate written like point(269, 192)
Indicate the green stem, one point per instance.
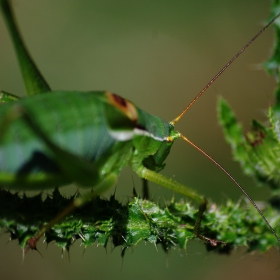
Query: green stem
point(139, 220)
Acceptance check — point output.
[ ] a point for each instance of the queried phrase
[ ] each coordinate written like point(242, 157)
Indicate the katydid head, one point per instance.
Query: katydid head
point(155, 161)
point(174, 121)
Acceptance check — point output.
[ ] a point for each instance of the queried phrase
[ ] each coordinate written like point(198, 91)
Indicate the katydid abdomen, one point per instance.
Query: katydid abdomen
point(101, 128)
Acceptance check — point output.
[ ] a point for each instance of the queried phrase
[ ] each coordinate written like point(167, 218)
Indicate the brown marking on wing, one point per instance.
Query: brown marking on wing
point(123, 105)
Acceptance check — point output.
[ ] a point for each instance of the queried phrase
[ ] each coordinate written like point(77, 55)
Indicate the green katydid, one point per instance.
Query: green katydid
point(54, 138)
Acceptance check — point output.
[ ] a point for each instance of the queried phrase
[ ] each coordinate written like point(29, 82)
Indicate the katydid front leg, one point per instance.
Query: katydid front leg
point(182, 189)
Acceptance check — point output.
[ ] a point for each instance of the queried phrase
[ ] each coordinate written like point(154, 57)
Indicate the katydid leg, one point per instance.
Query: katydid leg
point(173, 185)
point(33, 79)
point(145, 189)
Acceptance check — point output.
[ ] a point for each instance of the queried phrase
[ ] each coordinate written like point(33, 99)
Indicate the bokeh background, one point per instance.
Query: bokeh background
point(159, 54)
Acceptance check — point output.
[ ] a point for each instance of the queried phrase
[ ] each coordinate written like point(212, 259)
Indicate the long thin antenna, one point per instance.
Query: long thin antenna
point(235, 182)
point(204, 153)
point(173, 122)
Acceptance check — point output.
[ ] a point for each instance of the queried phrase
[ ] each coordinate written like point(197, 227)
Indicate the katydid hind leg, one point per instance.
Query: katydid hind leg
point(33, 79)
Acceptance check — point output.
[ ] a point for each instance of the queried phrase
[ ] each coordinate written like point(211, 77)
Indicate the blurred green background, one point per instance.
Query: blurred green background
point(159, 54)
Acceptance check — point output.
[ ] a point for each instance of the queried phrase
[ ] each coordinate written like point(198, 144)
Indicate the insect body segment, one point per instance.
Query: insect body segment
point(84, 124)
